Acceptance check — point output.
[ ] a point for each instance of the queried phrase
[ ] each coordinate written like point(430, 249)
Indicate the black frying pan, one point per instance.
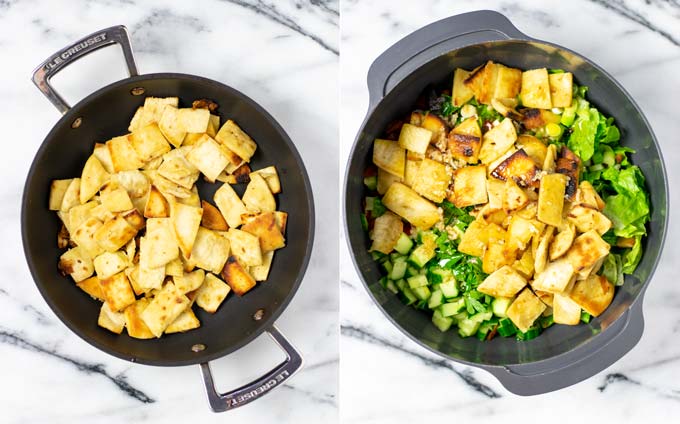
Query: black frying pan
point(106, 113)
point(562, 355)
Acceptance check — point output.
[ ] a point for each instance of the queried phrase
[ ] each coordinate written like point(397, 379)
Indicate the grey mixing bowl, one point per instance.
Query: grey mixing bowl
point(562, 355)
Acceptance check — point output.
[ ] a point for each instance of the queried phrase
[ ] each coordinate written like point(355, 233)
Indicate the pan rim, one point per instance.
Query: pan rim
point(270, 319)
point(587, 344)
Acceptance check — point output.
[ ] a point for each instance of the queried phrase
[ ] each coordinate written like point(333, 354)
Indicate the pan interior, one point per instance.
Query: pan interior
point(609, 98)
point(106, 114)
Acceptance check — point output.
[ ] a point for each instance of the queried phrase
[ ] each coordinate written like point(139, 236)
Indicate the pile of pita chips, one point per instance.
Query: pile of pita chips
point(141, 240)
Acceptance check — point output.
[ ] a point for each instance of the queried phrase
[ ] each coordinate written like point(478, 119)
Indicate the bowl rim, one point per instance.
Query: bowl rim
point(594, 343)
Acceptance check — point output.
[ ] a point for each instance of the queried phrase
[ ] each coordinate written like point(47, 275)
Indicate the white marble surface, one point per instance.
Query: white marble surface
point(385, 377)
point(282, 54)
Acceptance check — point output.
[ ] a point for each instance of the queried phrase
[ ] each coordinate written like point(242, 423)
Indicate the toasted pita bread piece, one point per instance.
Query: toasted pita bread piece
point(171, 127)
point(156, 205)
point(164, 309)
point(93, 177)
point(115, 233)
point(185, 222)
point(265, 228)
point(210, 251)
point(91, 286)
point(258, 197)
point(117, 291)
point(212, 218)
point(271, 177)
point(76, 263)
point(184, 322)
point(189, 281)
point(123, 155)
point(149, 142)
point(71, 195)
point(57, 191)
point(237, 277)
point(208, 157)
point(136, 327)
point(246, 247)
point(194, 120)
point(212, 293)
point(236, 140)
point(261, 272)
point(108, 264)
point(230, 205)
point(111, 320)
point(157, 248)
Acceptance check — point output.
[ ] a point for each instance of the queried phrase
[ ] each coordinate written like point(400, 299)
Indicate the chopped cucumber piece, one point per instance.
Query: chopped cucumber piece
point(506, 327)
point(484, 329)
point(404, 244)
point(392, 286)
point(371, 182)
point(364, 221)
point(369, 203)
point(481, 316)
point(417, 281)
point(467, 327)
point(411, 271)
point(378, 208)
point(449, 289)
point(401, 284)
point(531, 333)
point(398, 270)
point(546, 321)
point(436, 299)
point(500, 306)
point(422, 293)
point(387, 265)
point(608, 156)
point(428, 238)
point(441, 322)
point(407, 296)
point(452, 308)
point(585, 317)
point(377, 256)
point(460, 316)
point(425, 251)
point(421, 255)
point(394, 257)
point(422, 304)
point(439, 275)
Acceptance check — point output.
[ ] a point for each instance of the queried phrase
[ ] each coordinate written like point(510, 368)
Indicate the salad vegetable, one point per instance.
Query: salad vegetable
point(506, 205)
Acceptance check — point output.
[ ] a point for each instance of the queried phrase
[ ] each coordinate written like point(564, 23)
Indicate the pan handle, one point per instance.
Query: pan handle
point(433, 40)
point(538, 378)
point(86, 45)
point(220, 402)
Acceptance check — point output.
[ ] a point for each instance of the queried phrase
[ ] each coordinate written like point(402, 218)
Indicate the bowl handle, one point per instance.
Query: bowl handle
point(220, 402)
point(86, 45)
point(578, 365)
point(433, 40)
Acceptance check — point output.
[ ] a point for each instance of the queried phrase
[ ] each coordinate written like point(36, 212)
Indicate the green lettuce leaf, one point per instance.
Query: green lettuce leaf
point(629, 208)
point(607, 132)
point(584, 133)
point(633, 256)
point(612, 269)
